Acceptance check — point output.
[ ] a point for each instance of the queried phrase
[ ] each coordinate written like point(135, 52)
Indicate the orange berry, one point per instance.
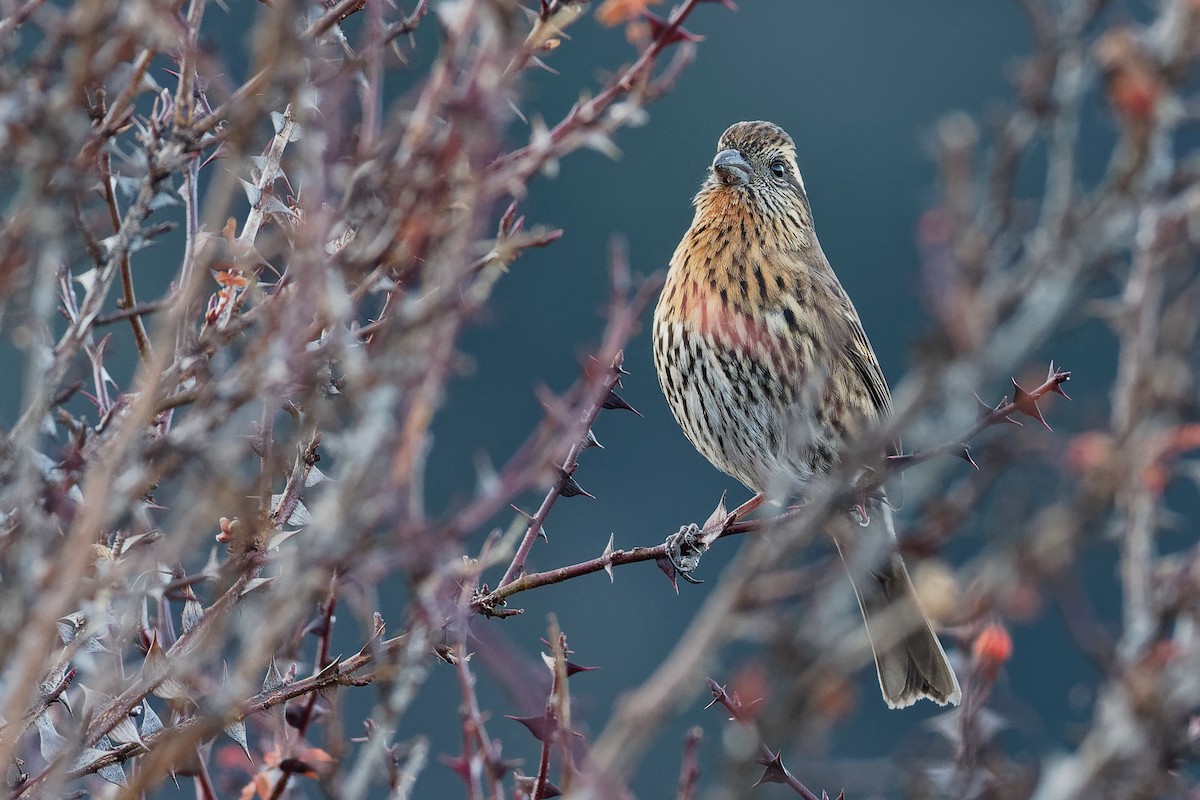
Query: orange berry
point(992, 647)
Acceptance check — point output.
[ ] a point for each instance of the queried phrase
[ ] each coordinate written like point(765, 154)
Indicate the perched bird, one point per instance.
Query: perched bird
point(766, 366)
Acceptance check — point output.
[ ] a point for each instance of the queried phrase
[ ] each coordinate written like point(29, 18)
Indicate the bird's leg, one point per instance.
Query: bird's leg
point(685, 547)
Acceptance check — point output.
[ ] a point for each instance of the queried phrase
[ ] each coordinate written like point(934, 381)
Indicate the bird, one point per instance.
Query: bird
point(766, 367)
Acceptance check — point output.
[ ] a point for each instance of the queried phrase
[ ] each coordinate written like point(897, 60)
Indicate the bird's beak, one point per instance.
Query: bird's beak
point(731, 168)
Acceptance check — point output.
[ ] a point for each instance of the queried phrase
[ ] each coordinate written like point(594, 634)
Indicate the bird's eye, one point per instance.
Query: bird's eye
point(779, 170)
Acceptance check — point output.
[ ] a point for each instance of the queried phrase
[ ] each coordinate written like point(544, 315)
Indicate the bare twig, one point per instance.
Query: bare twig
point(773, 769)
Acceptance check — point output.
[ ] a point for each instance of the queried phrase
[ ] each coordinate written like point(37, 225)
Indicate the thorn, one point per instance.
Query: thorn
point(719, 516)
point(1056, 378)
point(575, 669)
point(1020, 396)
point(1003, 402)
point(542, 727)
point(517, 110)
point(459, 765)
point(1027, 404)
point(775, 772)
point(589, 440)
point(566, 650)
point(549, 790)
point(965, 455)
point(506, 219)
point(607, 556)
point(668, 569)
point(985, 410)
point(537, 62)
point(615, 401)
point(502, 613)
point(661, 29)
point(529, 520)
point(718, 691)
point(569, 487)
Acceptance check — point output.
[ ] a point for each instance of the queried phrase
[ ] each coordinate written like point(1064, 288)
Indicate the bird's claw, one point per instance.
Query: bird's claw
point(684, 551)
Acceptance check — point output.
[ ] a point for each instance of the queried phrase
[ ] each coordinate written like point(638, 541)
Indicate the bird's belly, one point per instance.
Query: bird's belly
point(738, 412)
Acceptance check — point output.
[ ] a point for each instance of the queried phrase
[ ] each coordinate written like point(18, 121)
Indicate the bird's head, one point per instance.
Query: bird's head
point(757, 157)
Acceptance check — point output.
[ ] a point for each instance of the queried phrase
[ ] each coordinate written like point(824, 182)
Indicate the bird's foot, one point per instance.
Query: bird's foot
point(684, 548)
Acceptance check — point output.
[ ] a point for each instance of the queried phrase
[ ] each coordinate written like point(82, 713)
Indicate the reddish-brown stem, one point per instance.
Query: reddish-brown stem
point(345, 675)
point(336, 14)
point(473, 724)
point(776, 771)
point(564, 421)
point(689, 770)
point(115, 115)
point(128, 297)
point(543, 776)
point(306, 716)
point(598, 390)
point(408, 24)
point(1023, 402)
point(557, 722)
point(140, 310)
point(204, 785)
point(489, 603)
point(526, 161)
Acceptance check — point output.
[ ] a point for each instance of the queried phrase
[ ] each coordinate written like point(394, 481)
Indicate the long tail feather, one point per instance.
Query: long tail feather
point(908, 655)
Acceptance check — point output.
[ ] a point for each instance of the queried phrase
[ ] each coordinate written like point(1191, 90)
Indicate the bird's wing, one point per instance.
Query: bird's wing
point(862, 359)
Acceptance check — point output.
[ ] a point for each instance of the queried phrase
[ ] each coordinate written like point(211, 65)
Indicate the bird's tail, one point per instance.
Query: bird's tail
point(908, 655)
